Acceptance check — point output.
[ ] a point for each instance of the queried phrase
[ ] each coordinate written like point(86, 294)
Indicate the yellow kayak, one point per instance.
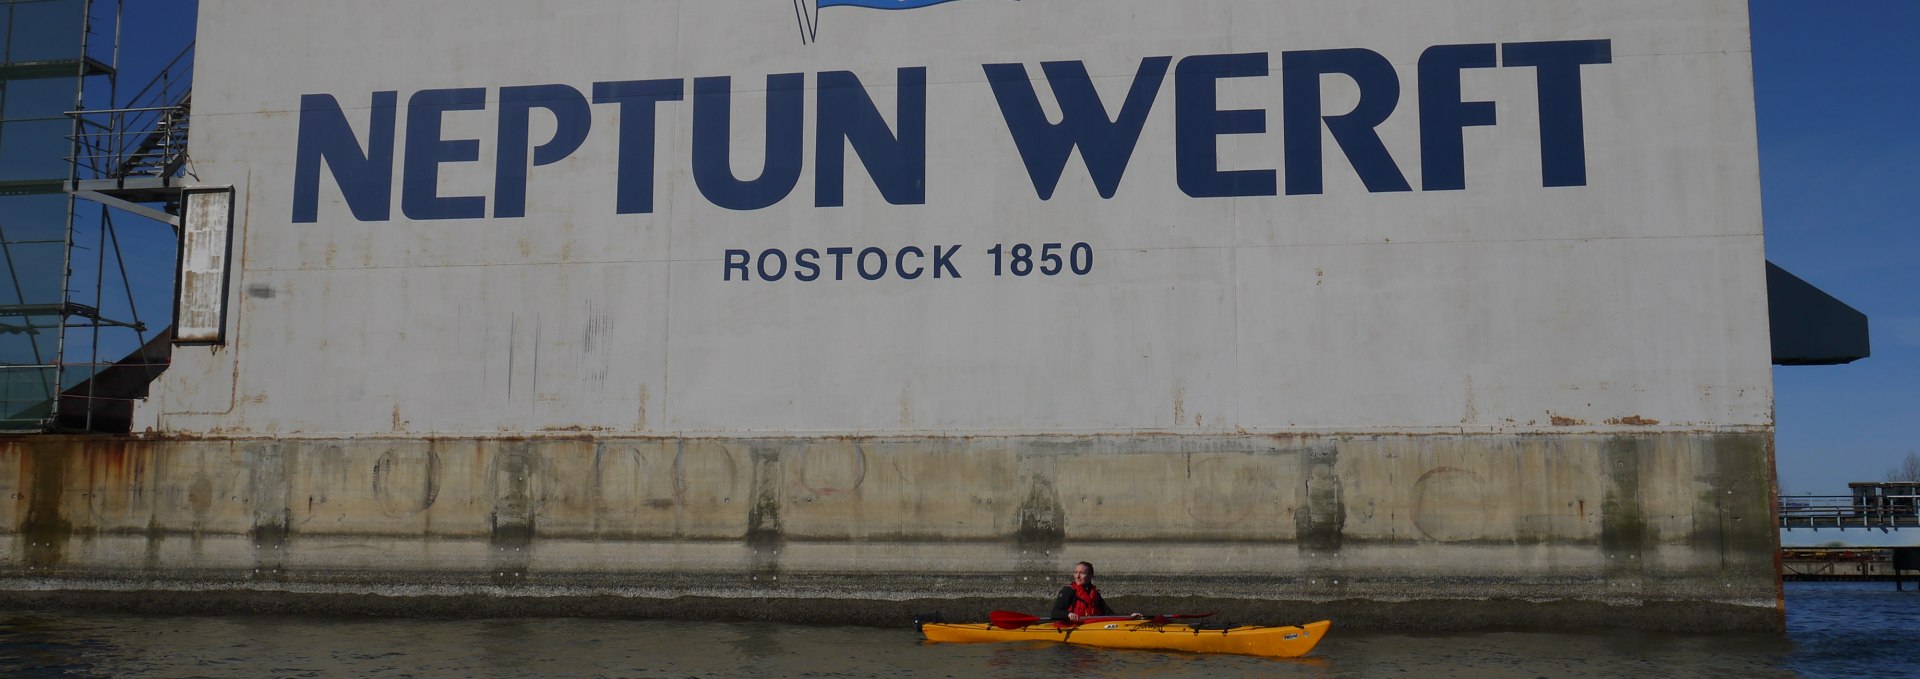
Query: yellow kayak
point(1273, 642)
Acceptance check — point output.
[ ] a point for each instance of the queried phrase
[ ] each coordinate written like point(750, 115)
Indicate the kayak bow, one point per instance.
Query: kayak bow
point(1273, 642)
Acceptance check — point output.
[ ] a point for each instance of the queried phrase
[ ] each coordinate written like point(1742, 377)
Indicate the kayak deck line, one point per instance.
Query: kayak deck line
point(1276, 642)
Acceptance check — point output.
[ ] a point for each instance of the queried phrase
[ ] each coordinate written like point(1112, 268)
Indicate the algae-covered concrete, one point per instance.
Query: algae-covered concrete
point(1662, 530)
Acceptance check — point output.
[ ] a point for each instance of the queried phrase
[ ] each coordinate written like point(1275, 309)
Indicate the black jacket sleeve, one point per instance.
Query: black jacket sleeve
point(1063, 603)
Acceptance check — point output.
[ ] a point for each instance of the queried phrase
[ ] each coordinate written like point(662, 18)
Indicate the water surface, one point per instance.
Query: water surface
point(1853, 630)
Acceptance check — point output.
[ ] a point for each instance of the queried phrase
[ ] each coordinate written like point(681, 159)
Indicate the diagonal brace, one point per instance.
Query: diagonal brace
point(130, 206)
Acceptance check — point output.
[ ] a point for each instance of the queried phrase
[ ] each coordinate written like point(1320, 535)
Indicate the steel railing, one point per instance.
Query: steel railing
point(1850, 511)
point(145, 138)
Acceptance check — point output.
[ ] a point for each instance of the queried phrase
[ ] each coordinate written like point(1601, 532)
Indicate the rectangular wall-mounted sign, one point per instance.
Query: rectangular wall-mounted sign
point(205, 245)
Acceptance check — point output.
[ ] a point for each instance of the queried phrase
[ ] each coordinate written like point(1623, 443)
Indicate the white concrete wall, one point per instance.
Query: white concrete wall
point(1634, 302)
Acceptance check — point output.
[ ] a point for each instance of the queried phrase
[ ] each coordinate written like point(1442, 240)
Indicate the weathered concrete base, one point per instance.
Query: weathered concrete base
point(1667, 531)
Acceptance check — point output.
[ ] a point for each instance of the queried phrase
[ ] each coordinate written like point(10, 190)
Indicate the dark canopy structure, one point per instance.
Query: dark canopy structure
point(1811, 327)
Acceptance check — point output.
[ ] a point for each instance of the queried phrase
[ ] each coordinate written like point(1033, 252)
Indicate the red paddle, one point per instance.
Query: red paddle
point(1013, 620)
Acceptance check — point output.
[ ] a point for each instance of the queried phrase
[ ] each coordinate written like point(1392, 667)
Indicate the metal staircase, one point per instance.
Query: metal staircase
point(135, 156)
point(164, 150)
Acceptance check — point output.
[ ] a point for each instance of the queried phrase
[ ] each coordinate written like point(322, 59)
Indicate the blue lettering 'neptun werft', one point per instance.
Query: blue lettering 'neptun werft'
point(897, 161)
point(1444, 118)
point(1106, 144)
point(1353, 131)
point(365, 177)
point(1563, 135)
point(426, 151)
point(713, 142)
point(1199, 123)
point(895, 156)
point(639, 112)
point(572, 121)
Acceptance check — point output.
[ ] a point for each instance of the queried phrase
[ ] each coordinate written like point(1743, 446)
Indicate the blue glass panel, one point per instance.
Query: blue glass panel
point(36, 267)
point(37, 98)
point(35, 149)
point(32, 234)
point(25, 395)
point(45, 30)
point(27, 340)
point(36, 217)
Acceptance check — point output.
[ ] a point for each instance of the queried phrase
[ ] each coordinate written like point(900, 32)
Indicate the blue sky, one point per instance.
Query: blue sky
point(1838, 90)
point(1838, 93)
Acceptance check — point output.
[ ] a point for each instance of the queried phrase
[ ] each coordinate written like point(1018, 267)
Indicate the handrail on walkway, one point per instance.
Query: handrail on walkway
point(1850, 511)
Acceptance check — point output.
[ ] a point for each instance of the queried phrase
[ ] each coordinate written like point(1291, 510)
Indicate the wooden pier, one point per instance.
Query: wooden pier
point(1895, 564)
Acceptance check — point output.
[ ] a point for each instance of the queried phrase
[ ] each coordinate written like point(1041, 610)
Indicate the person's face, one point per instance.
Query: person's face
point(1082, 575)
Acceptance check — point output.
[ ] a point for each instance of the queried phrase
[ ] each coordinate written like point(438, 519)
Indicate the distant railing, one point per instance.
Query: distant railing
point(1849, 511)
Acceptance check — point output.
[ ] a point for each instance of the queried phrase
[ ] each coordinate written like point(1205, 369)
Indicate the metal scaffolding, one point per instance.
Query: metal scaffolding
point(75, 159)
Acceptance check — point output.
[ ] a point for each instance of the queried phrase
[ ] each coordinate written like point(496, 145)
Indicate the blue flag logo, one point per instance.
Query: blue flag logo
point(807, 12)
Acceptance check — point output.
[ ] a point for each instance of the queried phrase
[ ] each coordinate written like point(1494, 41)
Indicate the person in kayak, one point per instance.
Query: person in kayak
point(1080, 599)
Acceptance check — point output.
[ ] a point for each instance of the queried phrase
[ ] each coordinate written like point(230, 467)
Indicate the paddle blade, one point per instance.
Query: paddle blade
point(1162, 619)
point(1012, 619)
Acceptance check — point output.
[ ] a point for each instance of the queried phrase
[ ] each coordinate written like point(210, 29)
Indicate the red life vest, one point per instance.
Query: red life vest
point(1084, 600)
